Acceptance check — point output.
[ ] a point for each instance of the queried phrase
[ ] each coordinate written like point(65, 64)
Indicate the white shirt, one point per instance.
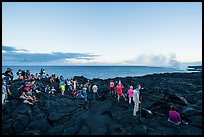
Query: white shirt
point(136, 93)
point(4, 89)
point(94, 88)
point(74, 84)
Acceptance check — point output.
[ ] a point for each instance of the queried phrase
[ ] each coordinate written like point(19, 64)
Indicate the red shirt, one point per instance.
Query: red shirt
point(119, 89)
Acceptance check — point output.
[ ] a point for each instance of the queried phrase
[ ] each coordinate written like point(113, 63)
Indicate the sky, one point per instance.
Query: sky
point(101, 33)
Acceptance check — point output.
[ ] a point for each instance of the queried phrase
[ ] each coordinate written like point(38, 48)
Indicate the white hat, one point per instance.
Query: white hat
point(131, 86)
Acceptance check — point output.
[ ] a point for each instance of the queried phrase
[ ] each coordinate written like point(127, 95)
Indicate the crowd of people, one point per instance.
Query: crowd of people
point(30, 88)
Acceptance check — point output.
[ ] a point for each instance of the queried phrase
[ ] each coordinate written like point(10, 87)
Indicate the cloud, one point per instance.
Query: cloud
point(10, 55)
point(92, 62)
point(158, 60)
point(11, 49)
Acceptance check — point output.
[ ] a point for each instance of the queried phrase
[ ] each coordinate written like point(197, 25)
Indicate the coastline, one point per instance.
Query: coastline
point(90, 72)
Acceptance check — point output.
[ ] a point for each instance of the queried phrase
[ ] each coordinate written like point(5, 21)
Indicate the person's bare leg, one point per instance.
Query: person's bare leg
point(118, 98)
point(124, 97)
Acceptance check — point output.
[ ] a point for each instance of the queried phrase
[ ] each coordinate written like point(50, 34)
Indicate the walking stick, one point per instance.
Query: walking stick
point(140, 106)
point(140, 103)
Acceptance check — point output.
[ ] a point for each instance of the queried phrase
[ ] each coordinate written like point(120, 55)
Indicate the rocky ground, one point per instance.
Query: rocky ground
point(63, 115)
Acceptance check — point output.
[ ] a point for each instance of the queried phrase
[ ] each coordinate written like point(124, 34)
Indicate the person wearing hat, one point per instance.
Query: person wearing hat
point(119, 88)
point(130, 94)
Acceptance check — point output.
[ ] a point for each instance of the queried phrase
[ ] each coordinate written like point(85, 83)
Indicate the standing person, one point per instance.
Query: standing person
point(43, 74)
point(52, 82)
point(84, 88)
point(74, 85)
point(95, 91)
point(136, 99)
point(116, 83)
point(61, 78)
point(68, 85)
point(119, 88)
point(85, 97)
point(8, 87)
point(71, 85)
point(36, 76)
point(89, 85)
point(9, 74)
point(112, 88)
point(27, 73)
point(23, 74)
point(174, 116)
point(4, 93)
point(130, 94)
point(62, 87)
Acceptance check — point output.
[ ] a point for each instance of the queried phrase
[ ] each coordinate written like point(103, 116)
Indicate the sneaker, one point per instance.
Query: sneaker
point(185, 122)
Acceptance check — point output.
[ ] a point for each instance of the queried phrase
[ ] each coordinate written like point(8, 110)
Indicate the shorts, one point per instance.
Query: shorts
point(63, 88)
point(119, 93)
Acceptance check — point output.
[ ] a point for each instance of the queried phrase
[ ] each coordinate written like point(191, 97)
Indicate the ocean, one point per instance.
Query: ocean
point(90, 72)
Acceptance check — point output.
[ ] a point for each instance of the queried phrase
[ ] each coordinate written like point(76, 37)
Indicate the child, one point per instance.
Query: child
point(62, 87)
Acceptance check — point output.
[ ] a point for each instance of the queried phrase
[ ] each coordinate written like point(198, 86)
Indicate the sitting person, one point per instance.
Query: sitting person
point(47, 89)
point(26, 85)
point(35, 87)
point(52, 91)
point(27, 99)
point(174, 116)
